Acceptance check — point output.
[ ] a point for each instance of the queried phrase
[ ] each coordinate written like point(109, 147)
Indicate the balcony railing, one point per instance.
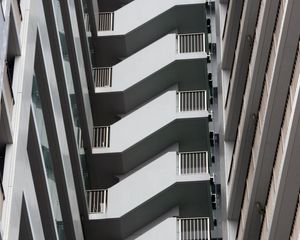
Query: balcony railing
point(192, 163)
point(192, 100)
point(101, 138)
point(193, 229)
point(102, 76)
point(106, 21)
point(188, 43)
point(97, 200)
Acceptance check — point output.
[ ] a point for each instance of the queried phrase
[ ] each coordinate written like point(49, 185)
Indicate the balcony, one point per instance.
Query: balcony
point(140, 12)
point(177, 105)
point(185, 183)
point(140, 23)
point(122, 146)
point(119, 90)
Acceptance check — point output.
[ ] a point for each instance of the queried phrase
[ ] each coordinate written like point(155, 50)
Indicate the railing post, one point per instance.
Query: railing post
point(205, 101)
point(208, 228)
point(203, 42)
point(179, 164)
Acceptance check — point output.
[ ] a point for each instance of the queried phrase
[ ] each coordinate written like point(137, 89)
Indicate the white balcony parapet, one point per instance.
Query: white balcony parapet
point(192, 42)
point(97, 200)
point(106, 21)
point(101, 138)
point(193, 163)
point(193, 229)
point(102, 76)
point(192, 100)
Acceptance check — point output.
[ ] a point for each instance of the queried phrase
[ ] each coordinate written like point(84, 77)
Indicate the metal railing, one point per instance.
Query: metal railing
point(102, 76)
point(101, 138)
point(193, 163)
point(106, 21)
point(97, 200)
point(193, 42)
point(193, 229)
point(192, 100)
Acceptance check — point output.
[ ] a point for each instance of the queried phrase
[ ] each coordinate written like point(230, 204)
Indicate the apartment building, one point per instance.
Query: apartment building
point(109, 122)
point(259, 58)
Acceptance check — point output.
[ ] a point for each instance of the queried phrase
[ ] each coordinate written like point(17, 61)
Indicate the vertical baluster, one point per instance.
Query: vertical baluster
point(104, 205)
point(99, 200)
point(204, 228)
point(95, 137)
point(205, 101)
point(182, 101)
point(179, 164)
point(197, 163)
point(101, 76)
point(201, 228)
point(106, 77)
point(102, 136)
point(205, 160)
point(203, 42)
point(190, 229)
point(208, 228)
point(197, 229)
point(89, 201)
point(194, 230)
point(193, 163)
point(186, 101)
point(180, 43)
point(94, 201)
point(184, 163)
point(110, 77)
point(201, 162)
point(191, 101)
point(196, 100)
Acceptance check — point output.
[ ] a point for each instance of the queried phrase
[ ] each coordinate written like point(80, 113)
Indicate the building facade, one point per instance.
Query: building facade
point(109, 124)
point(259, 59)
point(135, 119)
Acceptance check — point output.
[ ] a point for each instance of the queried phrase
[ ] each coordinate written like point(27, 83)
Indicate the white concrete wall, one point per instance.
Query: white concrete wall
point(17, 178)
point(164, 230)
